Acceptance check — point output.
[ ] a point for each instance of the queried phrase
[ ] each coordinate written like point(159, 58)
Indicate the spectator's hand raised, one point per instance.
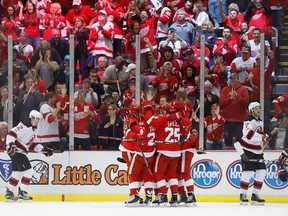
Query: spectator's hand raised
point(20, 4)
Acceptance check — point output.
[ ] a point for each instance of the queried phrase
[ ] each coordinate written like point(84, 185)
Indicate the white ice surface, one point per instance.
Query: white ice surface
point(118, 209)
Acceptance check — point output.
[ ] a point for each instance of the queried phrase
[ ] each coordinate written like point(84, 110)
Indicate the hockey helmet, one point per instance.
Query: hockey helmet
point(252, 105)
point(166, 107)
point(35, 114)
point(134, 110)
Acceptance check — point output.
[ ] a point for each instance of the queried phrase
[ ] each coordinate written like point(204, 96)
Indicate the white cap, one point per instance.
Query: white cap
point(76, 2)
point(102, 12)
point(252, 105)
point(130, 67)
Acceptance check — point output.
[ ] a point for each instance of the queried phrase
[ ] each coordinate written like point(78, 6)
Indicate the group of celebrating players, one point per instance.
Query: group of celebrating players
point(158, 148)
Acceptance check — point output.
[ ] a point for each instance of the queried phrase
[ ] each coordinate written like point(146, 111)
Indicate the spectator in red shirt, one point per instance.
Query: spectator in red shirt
point(234, 100)
point(88, 15)
point(191, 60)
point(54, 19)
point(231, 21)
point(214, 125)
point(167, 54)
point(115, 10)
point(188, 8)
point(220, 69)
point(226, 46)
point(129, 97)
point(197, 49)
point(129, 41)
point(166, 83)
point(31, 23)
point(84, 111)
point(40, 84)
point(258, 13)
point(11, 23)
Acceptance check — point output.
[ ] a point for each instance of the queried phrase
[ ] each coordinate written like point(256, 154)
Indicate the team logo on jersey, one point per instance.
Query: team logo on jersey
point(271, 178)
point(5, 169)
point(41, 172)
point(234, 174)
point(206, 173)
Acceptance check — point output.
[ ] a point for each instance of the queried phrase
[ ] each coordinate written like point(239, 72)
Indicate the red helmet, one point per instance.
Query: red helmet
point(166, 107)
point(134, 110)
point(180, 107)
point(147, 105)
point(186, 122)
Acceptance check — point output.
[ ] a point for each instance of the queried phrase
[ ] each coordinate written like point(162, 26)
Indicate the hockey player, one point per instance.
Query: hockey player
point(188, 149)
point(142, 161)
point(283, 166)
point(167, 138)
point(20, 140)
point(253, 142)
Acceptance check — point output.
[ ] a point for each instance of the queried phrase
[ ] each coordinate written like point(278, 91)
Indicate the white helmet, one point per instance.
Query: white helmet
point(35, 114)
point(253, 105)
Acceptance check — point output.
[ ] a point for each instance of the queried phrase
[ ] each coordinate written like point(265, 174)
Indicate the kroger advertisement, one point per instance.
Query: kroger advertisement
point(99, 172)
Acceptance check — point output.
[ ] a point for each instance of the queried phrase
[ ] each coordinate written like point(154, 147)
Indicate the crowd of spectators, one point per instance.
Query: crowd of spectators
point(105, 35)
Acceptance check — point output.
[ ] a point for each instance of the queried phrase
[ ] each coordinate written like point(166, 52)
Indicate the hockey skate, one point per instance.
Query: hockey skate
point(243, 199)
point(183, 199)
point(134, 201)
point(23, 196)
point(256, 200)
point(156, 202)
point(148, 200)
point(173, 201)
point(191, 200)
point(161, 200)
point(9, 196)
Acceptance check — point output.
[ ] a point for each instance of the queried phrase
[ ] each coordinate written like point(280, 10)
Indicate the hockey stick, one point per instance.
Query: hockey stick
point(31, 151)
point(121, 160)
point(144, 158)
point(115, 138)
point(194, 114)
point(196, 151)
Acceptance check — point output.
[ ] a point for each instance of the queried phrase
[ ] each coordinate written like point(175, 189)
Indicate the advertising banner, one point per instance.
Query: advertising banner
point(99, 172)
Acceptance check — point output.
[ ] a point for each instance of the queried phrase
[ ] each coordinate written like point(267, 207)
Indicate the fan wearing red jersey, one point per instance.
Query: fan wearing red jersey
point(214, 124)
point(280, 105)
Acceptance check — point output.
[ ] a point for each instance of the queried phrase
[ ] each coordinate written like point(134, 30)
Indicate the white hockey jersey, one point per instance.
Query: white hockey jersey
point(252, 135)
point(24, 138)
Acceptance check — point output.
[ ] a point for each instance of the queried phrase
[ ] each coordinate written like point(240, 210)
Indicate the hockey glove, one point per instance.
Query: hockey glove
point(47, 151)
point(244, 157)
point(11, 148)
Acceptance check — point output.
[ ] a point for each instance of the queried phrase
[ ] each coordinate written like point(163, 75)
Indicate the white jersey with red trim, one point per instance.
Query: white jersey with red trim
point(48, 127)
point(252, 135)
point(24, 138)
